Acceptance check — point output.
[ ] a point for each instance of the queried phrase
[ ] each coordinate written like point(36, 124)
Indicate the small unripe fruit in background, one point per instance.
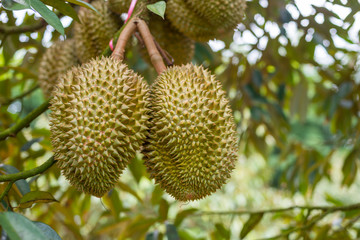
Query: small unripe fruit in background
point(95, 30)
point(56, 60)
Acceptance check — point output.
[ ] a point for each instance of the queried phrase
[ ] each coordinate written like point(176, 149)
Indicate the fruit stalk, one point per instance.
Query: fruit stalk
point(124, 37)
point(153, 52)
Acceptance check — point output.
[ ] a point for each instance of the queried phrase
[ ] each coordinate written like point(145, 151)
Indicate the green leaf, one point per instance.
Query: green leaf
point(128, 189)
point(63, 7)
point(254, 219)
point(83, 4)
point(137, 168)
point(349, 167)
point(19, 227)
point(152, 236)
point(224, 233)
point(156, 195)
point(15, 4)
point(182, 215)
point(158, 8)
point(36, 197)
point(171, 232)
point(49, 16)
point(163, 210)
point(21, 184)
point(48, 231)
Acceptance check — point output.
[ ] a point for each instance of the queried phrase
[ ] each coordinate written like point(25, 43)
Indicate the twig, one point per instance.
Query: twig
point(124, 37)
point(6, 190)
point(12, 131)
point(301, 228)
point(154, 54)
point(22, 29)
point(29, 173)
point(325, 211)
point(8, 102)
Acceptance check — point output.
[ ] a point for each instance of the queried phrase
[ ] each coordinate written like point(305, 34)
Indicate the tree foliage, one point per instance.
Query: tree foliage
point(292, 75)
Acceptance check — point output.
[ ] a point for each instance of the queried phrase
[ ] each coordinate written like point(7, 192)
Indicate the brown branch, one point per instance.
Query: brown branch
point(124, 37)
point(22, 29)
point(28, 173)
point(12, 131)
point(8, 102)
point(153, 52)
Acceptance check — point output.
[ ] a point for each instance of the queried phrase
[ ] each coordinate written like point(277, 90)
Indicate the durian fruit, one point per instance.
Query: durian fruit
point(56, 60)
point(119, 6)
point(95, 30)
point(192, 147)
point(188, 22)
point(98, 122)
point(180, 47)
point(224, 14)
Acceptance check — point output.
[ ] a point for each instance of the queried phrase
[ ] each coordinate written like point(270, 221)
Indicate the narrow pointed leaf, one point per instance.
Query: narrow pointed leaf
point(63, 7)
point(49, 16)
point(250, 224)
point(36, 197)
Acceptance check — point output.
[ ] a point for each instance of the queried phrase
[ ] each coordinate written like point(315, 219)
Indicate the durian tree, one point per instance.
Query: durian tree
point(179, 119)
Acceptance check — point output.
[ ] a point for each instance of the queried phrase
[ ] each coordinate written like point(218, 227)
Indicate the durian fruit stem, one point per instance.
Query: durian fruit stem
point(124, 37)
point(12, 131)
point(153, 52)
point(29, 173)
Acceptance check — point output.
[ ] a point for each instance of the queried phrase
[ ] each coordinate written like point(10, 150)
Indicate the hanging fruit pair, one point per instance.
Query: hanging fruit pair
point(103, 112)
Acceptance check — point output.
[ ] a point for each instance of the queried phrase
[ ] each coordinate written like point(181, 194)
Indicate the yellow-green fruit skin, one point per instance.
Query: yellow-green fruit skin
point(119, 6)
point(98, 122)
point(56, 60)
point(223, 14)
point(188, 22)
point(95, 30)
point(180, 47)
point(192, 146)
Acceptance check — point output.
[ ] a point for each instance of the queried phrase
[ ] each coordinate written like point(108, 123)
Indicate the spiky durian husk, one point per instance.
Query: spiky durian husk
point(180, 47)
point(188, 22)
point(119, 6)
point(192, 147)
point(95, 30)
point(98, 122)
point(223, 14)
point(56, 60)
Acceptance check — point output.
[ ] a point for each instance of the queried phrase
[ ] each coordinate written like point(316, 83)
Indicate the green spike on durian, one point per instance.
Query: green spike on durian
point(192, 146)
point(92, 144)
point(56, 60)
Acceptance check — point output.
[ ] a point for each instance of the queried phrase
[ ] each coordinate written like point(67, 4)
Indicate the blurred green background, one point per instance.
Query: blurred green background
point(292, 74)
